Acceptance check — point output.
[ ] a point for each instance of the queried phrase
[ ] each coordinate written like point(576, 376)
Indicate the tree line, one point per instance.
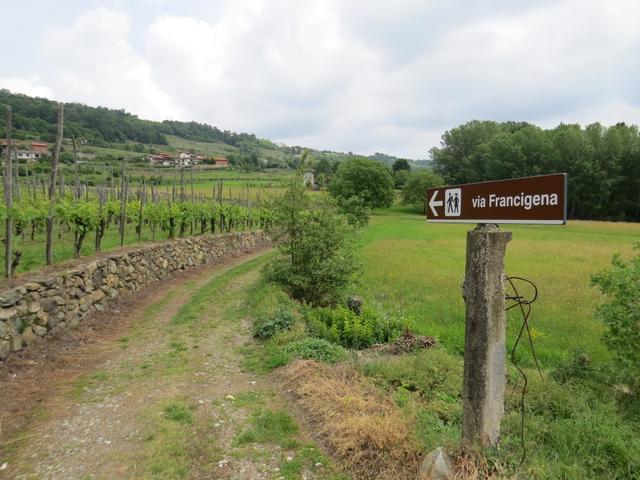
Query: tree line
point(99, 125)
point(602, 163)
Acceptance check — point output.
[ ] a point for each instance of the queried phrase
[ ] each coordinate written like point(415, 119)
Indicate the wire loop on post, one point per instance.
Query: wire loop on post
point(525, 305)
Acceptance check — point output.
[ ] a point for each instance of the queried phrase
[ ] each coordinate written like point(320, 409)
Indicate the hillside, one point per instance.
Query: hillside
point(115, 132)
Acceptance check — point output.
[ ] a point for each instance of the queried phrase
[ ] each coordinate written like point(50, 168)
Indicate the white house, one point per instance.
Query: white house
point(26, 155)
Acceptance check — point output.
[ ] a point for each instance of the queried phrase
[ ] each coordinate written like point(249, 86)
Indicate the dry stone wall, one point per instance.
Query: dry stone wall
point(45, 305)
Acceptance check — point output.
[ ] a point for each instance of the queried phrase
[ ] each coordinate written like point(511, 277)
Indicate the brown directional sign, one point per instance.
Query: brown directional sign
point(534, 200)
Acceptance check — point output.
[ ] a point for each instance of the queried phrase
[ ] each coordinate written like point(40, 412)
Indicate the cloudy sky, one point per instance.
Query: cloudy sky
point(359, 75)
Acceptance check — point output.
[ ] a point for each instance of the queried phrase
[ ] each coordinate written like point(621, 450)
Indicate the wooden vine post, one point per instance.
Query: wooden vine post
point(76, 192)
point(192, 197)
point(8, 198)
point(143, 194)
point(75, 168)
point(15, 193)
point(123, 201)
point(52, 184)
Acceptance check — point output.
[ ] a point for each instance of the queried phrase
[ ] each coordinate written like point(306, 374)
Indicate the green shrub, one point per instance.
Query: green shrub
point(343, 326)
point(621, 315)
point(268, 326)
point(317, 261)
point(355, 211)
point(415, 187)
point(316, 349)
point(285, 337)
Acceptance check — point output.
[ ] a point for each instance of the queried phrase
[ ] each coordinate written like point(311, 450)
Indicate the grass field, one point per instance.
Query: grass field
point(577, 423)
point(419, 268)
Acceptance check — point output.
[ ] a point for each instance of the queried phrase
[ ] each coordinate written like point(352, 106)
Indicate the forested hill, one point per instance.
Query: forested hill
point(602, 163)
point(38, 116)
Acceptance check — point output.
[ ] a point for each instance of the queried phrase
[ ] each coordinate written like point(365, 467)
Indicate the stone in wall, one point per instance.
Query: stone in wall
point(42, 306)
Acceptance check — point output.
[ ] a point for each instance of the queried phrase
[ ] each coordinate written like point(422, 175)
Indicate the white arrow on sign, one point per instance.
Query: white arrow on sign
point(435, 203)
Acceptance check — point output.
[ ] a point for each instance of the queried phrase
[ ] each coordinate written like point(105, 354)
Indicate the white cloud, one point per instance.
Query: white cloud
point(351, 75)
point(29, 86)
point(93, 62)
point(263, 67)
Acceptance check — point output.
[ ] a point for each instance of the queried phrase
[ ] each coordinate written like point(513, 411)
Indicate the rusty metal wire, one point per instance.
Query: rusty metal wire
point(525, 305)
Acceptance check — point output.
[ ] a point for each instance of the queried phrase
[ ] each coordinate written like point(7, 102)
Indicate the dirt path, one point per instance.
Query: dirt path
point(161, 395)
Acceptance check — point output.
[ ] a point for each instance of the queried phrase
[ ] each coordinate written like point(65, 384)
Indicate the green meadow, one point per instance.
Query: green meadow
point(418, 268)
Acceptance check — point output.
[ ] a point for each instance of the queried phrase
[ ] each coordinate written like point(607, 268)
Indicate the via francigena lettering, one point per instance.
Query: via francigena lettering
point(522, 200)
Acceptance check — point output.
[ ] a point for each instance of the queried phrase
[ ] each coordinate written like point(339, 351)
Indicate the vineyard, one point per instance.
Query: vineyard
point(86, 218)
point(47, 222)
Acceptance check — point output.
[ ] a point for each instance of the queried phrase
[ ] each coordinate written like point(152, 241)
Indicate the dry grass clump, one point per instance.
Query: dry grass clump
point(407, 342)
point(470, 464)
point(353, 420)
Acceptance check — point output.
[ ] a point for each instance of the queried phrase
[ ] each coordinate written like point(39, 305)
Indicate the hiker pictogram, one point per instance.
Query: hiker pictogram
point(453, 202)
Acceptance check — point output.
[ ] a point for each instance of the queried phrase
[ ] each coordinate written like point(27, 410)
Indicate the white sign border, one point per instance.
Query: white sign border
point(495, 220)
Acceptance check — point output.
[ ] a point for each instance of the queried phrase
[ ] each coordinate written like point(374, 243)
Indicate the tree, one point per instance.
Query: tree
point(323, 167)
point(401, 164)
point(415, 189)
point(460, 160)
point(367, 179)
point(316, 254)
point(400, 178)
point(603, 164)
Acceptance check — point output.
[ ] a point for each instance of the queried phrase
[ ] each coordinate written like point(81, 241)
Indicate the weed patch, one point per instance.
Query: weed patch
point(270, 426)
point(250, 398)
point(343, 326)
point(166, 452)
point(262, 359)
point(179, 412)
point(268, 326)
point(316, 349)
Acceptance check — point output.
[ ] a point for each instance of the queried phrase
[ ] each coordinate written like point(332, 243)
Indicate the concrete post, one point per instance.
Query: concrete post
point(485, 332)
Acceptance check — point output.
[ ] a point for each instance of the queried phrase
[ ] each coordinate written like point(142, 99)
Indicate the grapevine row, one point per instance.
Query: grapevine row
point(163, 216)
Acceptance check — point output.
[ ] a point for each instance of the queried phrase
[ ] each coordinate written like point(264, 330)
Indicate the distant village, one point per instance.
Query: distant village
point(34, 151)
point(183, 159)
